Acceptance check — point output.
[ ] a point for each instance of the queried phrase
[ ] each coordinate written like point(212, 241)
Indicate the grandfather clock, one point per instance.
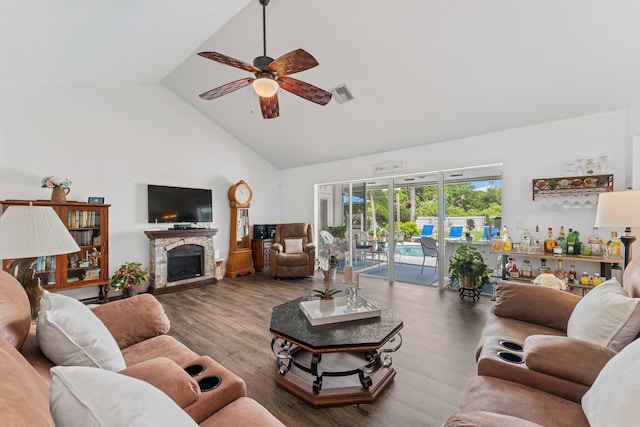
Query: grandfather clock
point(240, 260)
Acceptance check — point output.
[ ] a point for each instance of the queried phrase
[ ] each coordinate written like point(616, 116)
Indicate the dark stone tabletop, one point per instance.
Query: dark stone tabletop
point(289, 322)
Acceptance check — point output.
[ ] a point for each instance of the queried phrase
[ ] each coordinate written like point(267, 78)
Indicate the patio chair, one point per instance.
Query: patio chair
point(362, 243)
point(455, 232)
point(494, 233)
point(429, 249)
point(427, 230)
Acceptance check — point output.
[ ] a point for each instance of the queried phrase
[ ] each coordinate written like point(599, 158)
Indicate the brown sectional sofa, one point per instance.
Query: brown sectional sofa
point(139, 326)
point(553, 373)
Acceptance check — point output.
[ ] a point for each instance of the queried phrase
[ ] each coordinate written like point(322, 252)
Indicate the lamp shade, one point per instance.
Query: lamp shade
point(33, 231)
point(265, 87)
point(618, 209)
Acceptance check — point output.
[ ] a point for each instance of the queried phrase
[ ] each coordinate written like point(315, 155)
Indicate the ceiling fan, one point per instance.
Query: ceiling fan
point(270, 75)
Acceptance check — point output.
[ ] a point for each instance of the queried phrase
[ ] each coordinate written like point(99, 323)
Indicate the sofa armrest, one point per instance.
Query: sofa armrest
point(277, 248)
point(309, 247)
point(135, 319)
point(535, 304)
point(167, 376)
point(563, 357)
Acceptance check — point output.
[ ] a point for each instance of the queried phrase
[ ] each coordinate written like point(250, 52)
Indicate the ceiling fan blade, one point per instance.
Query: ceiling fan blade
point(270, 107)
point(293, 62)
point(225, 89)
point(227, 60)
point(305, 90)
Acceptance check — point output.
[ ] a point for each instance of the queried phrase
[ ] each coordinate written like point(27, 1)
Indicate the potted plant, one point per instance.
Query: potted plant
point(128, 277)
point(467, 268)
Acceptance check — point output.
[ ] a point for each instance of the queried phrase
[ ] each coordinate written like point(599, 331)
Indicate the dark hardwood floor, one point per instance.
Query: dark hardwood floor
point(229, 321)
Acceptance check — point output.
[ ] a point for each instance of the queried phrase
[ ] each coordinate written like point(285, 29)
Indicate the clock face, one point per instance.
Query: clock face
point(243, 194)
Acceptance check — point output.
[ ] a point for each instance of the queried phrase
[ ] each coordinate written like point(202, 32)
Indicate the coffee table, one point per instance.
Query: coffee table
point(356, 347)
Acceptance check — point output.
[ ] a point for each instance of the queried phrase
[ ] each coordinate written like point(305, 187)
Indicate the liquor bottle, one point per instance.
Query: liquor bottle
point(572, 239)
point(596, 243)
point(543, 266)
point(573, 275)
point(550, 243)
point(537, 240)
point(562, 241)
point(526, 240)
point(514, 270)
point(506, 239)
point(614, 247)
point(560, 273)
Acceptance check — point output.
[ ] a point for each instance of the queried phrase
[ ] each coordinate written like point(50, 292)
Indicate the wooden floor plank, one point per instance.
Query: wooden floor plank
point(229, 321)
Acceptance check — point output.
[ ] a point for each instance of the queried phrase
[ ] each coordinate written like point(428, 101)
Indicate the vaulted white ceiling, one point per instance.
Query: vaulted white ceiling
point(422, 71)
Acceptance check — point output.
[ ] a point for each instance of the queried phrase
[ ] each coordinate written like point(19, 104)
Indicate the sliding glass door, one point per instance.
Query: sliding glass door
point(402, 228)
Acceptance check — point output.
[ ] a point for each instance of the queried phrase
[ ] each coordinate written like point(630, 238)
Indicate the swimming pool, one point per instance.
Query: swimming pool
point(409, 249)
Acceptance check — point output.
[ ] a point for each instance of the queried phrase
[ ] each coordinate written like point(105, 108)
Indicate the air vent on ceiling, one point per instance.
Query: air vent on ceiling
point(342, 94)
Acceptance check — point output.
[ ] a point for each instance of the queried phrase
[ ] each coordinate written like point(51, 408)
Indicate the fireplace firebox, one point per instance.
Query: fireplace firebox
point(185, 262)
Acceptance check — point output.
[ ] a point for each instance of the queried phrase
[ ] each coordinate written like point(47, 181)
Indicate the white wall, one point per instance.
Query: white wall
point(111, 142)
point(530, 152)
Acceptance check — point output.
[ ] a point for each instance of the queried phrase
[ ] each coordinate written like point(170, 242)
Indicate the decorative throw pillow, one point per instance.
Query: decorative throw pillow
point(612, 400)
point(90, 397)
point(606, 316)
point(70, 334)
point(293, 246)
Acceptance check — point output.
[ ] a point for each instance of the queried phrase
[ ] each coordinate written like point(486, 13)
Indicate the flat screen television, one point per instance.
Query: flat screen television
point(179, 204)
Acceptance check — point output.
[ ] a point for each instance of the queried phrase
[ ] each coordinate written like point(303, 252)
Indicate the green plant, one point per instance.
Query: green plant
point(337, 231)
point(467, 268)
point(326, 293)
point(410, 229)
point(129, 274)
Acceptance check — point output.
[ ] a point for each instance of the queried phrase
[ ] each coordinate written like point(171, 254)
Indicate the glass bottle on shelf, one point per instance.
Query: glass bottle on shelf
point(537, 241)
point(543, 266)
point(573, 242)
point(573, 275)
point(506, 240)
point(550, 242)
point(596, 280)
point(513, 272)
point(585, 279)
point(614, 247)
point(561, 247)
point(560, 273)
point(595, 242)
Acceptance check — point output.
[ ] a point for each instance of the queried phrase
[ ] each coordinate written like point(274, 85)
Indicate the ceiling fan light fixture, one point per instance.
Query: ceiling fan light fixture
point(265, 87)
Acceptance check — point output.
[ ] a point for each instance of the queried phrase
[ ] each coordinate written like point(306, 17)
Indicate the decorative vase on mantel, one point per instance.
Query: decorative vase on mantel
point(59, 194)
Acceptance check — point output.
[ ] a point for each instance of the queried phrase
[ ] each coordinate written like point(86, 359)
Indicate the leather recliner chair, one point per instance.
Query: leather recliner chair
point(293, 253)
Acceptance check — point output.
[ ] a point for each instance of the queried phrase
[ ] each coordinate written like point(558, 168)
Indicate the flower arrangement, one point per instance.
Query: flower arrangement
point(56, 181)
point(129, 274)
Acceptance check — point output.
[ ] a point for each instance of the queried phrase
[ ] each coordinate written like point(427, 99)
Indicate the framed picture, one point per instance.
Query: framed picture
point(96, 200)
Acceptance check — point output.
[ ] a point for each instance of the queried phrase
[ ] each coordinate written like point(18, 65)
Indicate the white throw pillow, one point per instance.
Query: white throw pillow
point(89, 397)
point(70, 334)
point(612, 400)
point(606, 316)
point(293, 246)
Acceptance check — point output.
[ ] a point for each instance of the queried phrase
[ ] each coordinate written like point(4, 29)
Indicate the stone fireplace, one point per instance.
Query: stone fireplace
point(180, 259)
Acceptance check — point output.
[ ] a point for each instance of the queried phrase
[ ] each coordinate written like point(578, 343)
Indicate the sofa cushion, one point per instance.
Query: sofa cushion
point(606, 316)
point(86, 397)
point(534, 304)
point(70, 334)
point(15, 311)
point(612, 400)
point(145, 319)
point(293, 246)
point(487, 419)
point(24, 399)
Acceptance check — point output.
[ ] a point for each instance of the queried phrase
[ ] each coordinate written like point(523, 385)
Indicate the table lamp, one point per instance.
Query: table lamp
point(29, 232)
point(620, 209)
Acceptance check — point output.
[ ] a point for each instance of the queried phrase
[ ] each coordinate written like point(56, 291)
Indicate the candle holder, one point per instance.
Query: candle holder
point(350, 293)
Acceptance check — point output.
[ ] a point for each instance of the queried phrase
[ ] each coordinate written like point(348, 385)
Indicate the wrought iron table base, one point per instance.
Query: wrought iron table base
point(373, 375)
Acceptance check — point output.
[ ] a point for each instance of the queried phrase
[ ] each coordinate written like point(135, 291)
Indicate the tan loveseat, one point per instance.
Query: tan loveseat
point(139, 326)
point(577, 360)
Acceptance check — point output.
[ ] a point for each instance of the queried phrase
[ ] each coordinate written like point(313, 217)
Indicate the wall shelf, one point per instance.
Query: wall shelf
point(572, 185)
